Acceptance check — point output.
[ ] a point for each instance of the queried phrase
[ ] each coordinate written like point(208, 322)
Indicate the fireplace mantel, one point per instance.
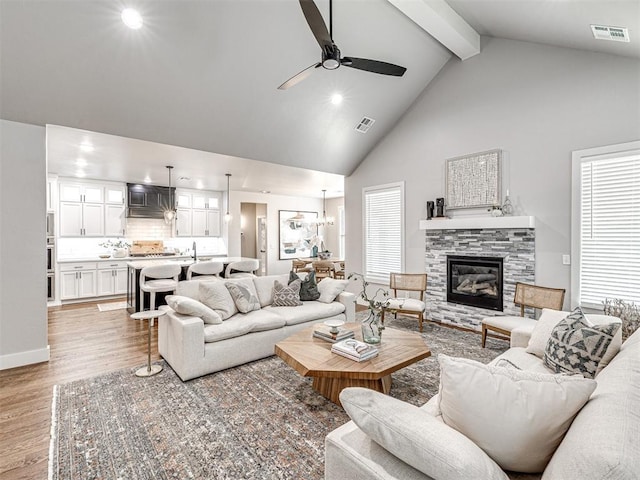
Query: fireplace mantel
point(478, 223)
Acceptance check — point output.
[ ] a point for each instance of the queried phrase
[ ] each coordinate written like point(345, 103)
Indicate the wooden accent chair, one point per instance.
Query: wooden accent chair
point(526, 296)
point(408, 282)
point(340, 272)
point(324, 269)
point(300, 266)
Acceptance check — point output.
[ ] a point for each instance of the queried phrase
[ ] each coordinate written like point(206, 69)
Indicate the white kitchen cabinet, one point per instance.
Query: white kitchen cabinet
point(78, 280)
point(114, 220)
point(183, 222)
point(206, 200)
point(198, 222)
point(81, 219)
point(112, 278)
point(81, 192)
point(114, 194)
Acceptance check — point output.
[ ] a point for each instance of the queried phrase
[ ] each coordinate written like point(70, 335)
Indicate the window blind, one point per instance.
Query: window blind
point(383, 232)
point(610, 230)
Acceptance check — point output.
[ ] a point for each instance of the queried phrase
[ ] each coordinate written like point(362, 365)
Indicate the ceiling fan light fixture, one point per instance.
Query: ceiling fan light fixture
point(331, 58)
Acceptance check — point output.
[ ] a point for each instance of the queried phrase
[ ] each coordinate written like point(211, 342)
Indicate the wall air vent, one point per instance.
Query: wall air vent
point(365, 124)
point(617, 34)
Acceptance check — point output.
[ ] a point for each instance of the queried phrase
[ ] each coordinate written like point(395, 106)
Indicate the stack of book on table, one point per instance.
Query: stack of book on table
point(354, 350)
point(325, 334)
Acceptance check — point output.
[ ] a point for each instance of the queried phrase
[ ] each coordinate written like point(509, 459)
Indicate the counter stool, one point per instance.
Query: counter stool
point(242, 268)
point(208, 269)
point(162, 278)
point(150, 315)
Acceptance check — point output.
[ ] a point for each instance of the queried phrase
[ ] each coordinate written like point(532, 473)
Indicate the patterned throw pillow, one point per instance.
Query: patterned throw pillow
point(245, 301)
point(286, 295)
point(308, 288)
point(576, 346)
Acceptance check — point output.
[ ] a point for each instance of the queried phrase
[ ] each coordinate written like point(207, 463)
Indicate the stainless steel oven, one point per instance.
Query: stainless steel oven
point(51, 257)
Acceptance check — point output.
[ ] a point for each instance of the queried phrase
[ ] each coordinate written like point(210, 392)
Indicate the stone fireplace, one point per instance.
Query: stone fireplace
point(509, 239)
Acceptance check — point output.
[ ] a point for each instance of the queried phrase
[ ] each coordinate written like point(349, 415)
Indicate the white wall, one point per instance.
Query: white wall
point(274, 204)
point(537, 103)
point(23, 299)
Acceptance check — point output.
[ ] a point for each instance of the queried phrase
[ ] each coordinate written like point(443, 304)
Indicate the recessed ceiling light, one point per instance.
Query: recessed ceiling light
point(131, 18)
point(199, 185)
point(336, 99)
point(86, 147)
point(81, 162)
point(265, 191)
point(80, 174)
point(147, 179)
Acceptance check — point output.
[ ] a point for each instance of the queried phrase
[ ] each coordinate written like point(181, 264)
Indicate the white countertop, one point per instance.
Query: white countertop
point(129, 259)
point(182, 261)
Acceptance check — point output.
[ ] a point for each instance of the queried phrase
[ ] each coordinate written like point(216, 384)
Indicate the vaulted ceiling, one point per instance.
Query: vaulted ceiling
point(204, 74)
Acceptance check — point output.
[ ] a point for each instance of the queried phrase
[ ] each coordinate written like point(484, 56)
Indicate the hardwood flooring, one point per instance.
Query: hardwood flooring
point(84, 342)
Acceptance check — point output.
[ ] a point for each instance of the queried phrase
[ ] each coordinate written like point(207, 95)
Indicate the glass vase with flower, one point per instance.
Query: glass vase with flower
point(372, 326)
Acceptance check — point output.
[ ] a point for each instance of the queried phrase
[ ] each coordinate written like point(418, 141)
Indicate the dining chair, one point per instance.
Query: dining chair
point(242, 268)
point(527, 295)
point(407, 282)
point(300, 266)
point(208, 269)
point(323, 269)
point(339, 273)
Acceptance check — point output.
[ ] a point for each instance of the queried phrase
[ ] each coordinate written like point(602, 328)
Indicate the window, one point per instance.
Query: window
point(383, 231)
point(606, 225)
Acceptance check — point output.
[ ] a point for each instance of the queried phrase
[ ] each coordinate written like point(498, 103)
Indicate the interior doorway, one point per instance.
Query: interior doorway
point(253, 233)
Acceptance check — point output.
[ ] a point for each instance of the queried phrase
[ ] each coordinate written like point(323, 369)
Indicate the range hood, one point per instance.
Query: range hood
point(148, 201)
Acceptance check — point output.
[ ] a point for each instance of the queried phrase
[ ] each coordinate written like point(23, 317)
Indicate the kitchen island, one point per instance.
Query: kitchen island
point(134, 268)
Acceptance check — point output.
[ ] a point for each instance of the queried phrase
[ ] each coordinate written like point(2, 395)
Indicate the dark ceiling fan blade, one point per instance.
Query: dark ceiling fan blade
point(298, 77)
point(374, 66)
point(316, 23)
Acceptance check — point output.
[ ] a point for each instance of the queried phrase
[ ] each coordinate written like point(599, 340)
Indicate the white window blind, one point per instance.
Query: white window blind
point(609, 230)
point(383, 232)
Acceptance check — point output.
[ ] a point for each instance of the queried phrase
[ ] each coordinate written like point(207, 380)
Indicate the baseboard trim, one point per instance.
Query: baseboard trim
point(20, 359)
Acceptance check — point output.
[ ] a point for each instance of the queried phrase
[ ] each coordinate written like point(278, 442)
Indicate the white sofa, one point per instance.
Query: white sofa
point(603, 442)
point(193, 348)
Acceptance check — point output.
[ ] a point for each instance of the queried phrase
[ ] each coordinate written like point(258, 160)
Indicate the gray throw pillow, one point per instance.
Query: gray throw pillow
point(245, 301)
point(576, 346)
point(308, 288)
point(286, 295)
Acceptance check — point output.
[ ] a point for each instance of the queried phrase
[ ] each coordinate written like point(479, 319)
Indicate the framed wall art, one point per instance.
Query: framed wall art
point(473, 181)
point(298, 233)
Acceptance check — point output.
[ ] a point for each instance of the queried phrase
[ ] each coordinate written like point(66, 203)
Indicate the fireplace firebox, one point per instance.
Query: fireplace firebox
point(475, 281)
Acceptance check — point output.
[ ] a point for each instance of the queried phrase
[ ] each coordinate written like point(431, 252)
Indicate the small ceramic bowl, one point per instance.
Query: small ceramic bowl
point(334, 325)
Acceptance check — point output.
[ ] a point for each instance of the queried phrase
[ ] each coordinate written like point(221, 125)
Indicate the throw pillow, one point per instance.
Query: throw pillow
point(216, 296)
point(417, 437)
point(308, 288)
point(330, 288)
point(189, 306)
point(517, 417)
point(576, 346)
point(243, 298)
point(542, 331)
point(286, 295)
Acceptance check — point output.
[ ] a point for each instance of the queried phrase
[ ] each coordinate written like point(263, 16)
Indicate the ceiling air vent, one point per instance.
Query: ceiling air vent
point(617, 34)
point(365, 124)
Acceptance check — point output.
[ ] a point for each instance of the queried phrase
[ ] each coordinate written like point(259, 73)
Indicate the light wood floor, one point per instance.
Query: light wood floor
point(84, 342)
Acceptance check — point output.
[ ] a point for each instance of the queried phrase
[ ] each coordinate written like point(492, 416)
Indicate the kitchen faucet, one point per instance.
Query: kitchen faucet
point(195, 256)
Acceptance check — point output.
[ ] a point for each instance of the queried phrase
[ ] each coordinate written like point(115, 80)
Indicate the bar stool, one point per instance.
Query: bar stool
point(150, 315)
point(208, 269)
point(244, 268)
point(163, 278)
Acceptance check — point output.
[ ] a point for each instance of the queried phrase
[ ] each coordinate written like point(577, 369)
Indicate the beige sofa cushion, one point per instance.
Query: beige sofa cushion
point(517, 417)
point(308, 311)
point(416, 437)
point(189, 306)
point(264, 287)
point(242, 324)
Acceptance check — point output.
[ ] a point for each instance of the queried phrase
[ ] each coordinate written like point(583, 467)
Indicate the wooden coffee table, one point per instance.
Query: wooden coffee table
point(312, 357)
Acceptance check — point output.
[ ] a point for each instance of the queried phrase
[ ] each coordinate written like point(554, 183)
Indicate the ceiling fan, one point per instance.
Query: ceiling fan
point(331, 53)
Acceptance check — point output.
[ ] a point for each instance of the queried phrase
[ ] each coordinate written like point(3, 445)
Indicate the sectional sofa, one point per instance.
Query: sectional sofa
point(194, 348)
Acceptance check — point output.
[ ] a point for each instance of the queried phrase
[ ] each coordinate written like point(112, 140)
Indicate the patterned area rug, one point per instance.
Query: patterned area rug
point(260, 421)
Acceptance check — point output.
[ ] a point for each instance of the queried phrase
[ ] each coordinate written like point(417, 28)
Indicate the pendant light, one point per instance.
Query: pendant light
point(227, 216)
point(325, 220)
point(170, 213)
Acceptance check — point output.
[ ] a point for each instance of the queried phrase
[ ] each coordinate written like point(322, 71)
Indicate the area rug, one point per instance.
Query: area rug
point(107, 307)
point(260, 421)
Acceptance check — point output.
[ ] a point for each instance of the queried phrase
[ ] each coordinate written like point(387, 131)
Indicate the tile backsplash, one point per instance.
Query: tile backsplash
point(141, 229)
